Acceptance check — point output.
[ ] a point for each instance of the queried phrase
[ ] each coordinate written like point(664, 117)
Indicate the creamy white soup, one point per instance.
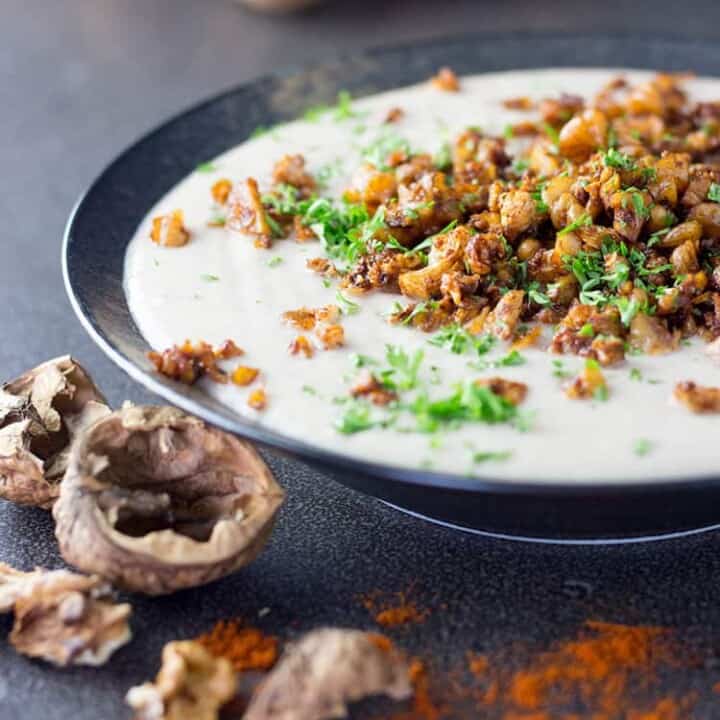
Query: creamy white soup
point(220, 285)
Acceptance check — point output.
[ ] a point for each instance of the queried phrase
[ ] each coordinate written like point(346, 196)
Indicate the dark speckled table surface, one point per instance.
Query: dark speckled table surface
point(81, 79)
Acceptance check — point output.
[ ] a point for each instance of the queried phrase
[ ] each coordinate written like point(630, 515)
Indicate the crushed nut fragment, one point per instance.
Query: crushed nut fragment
point(446, 80)
point(327, 669)
point(301, 345)
point(257, 399)
point(191, 684)
point(244, 375)
point(698, 398)
point(169, 230)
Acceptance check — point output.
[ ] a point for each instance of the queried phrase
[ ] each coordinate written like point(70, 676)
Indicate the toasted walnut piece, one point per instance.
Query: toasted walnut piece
point(327, 669)
point(41, 412)
point(513, 392)
point(588, 384)
point(227, 350)
point(698, 398)
point(244, 375)
point(517, 212)
point(191, 684)
point(302, 318)
point(583, 135)
point(169, 230)
point(523, 103)
point(187, 363)
point(220, 191)
point(528, 339)
point(331, 336)
point(366, 385)
point(649, 334)
point(446, 80)
point(503, 320)
point(156, 501)
point(322, 266)
point(394, 115)
point(257, 399)
point(290, 170)
point(246, 213)
point(301, 345)
point(62, 617)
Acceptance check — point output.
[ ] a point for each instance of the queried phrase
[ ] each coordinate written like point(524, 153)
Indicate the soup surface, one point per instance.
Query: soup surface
point(219, 286)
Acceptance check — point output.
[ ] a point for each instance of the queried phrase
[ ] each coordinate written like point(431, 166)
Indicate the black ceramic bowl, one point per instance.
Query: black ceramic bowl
point(105, 218)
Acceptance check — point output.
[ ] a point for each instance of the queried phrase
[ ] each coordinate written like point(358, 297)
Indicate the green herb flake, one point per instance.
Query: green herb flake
point(613, 158)
point(348, 307)
point(583, 221)
point(714, 192)
point(635, 374)
point(508, 132)
point(642, 447)
point(586, 331)
point(359, 360)
point(403, 368)
point(487, 456)
point(559, 370)
point(275, 261)
point(210, 278)
point(206, 167)
point(552, 133)
point(309, 390)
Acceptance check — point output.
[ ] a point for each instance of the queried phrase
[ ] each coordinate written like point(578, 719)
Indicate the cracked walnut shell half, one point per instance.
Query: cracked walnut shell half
point(40, 413)
point(156, 501)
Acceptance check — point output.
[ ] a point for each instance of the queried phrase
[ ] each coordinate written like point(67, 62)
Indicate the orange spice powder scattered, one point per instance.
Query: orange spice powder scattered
point(606, 672)
point(247, 648)
point(394, 609)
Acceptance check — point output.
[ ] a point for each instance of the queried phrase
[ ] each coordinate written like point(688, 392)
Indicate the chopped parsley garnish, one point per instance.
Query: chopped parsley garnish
point(485, 456)
point(309, 390)
point(378, 151)
point(275, 261)
point(469, 402)
point(642, 446)
point(540, 205)
point(635, 374)
point(615, 159)
point(402, 371)
point(206, 167)
point(512, 359)
point(356, 418)
point(520, 166)
point(714, 192)
point(427, 243)
point(344, 109)
point(656, 237)
point(559, 370)
point(641, 210)
point(552, 133)
point(508, 132)
point(628, 308)
point(359, 360)
point(348, 307)
point(536, 296)
point(420, 309)
point(315, 112)
point(458, 340)
point(210, 278)
point(586, 331)
point(443, 157)
point(583, 221)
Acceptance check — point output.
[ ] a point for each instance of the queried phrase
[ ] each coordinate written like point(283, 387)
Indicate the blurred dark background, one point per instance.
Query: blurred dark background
point(79, 81)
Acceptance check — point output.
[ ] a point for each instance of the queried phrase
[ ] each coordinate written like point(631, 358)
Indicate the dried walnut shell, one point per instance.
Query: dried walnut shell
point(156, 501)
point(40, 414)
